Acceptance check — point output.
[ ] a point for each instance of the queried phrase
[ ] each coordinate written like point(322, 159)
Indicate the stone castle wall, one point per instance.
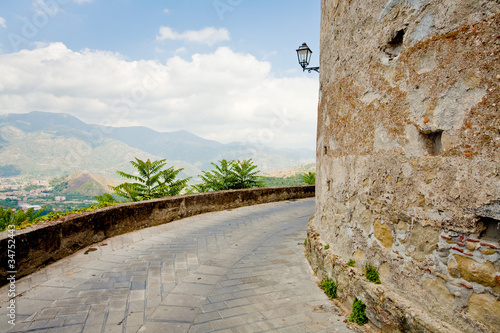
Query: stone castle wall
point(408, 161)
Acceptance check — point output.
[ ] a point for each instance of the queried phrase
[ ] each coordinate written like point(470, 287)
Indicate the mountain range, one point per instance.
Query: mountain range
point(50, 144)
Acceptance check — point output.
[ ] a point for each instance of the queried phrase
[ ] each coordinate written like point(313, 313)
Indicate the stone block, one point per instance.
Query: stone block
point(359, 257)
point(487, 251)
point(423, 239)
point(442, 304)
point(485, 308)
point(363, 217)
point(471, 246)
point(383, 233)
point(473, 271)
point(385, 273)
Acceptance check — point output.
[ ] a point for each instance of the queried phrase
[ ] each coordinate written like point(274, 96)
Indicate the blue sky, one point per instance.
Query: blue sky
point(232, 61)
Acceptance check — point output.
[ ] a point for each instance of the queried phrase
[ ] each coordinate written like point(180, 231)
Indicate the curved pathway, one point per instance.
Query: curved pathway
point(240, 270)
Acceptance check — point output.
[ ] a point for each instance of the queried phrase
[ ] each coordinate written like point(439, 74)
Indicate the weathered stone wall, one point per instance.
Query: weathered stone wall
point(47, 242)
point(408, 161)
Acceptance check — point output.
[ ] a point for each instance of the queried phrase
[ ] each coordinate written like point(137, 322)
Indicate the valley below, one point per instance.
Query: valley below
point(58, 162)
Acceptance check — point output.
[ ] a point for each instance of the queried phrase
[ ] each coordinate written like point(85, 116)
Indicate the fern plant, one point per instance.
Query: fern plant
point(246, 175)
point(309, 178)
point(198, 188)
point(221, 178)
point(105, 200)
point(230, 175)
point(152, 181)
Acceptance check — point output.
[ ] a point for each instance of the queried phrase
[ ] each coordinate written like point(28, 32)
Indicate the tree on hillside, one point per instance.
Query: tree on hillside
point(9, 170)
point(152, 182)
point(230, 175)
point(283, 181)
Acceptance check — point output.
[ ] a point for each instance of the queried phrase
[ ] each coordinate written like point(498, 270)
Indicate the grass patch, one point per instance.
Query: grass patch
point(372, 273)
point(351, 262)
point(329, 287)
point(358, 314)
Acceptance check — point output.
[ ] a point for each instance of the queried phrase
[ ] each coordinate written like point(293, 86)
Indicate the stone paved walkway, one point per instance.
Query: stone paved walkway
point(241, 270)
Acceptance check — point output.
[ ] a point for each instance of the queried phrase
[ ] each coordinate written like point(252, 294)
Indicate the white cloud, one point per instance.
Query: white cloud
point(82, 1)
point(225, 96)
point(2, 23)
point(208, 35)
point(166, 10)
point(180, 50)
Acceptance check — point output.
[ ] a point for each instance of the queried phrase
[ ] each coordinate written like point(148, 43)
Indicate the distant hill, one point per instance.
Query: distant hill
point(50, 154)
point(300, 169)
point(87, 184)
point(51, 144)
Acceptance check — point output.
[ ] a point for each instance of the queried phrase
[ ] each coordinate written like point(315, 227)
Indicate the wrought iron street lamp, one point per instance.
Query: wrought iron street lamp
point(304, 55)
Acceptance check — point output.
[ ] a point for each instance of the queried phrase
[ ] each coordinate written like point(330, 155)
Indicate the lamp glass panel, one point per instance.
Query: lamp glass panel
point(308, 56)
point(303, 56)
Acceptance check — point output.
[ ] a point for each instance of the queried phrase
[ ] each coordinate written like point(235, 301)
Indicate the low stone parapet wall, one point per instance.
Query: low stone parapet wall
point(44, 243)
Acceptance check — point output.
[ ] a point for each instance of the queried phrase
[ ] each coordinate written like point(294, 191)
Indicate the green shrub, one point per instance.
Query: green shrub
point(57, 214)
point(230, 175)
point(151, 181)
point(372, 273)
point(282, 181)
point(305, 242)
point(21, 217)
point(351, 262)
point(327, 246)
point(105, 200)
point(330, 288)
point(358, 314)
point(309, 178)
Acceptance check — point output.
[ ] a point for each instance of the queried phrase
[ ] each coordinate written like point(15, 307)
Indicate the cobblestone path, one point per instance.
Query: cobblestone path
point(240, 270)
